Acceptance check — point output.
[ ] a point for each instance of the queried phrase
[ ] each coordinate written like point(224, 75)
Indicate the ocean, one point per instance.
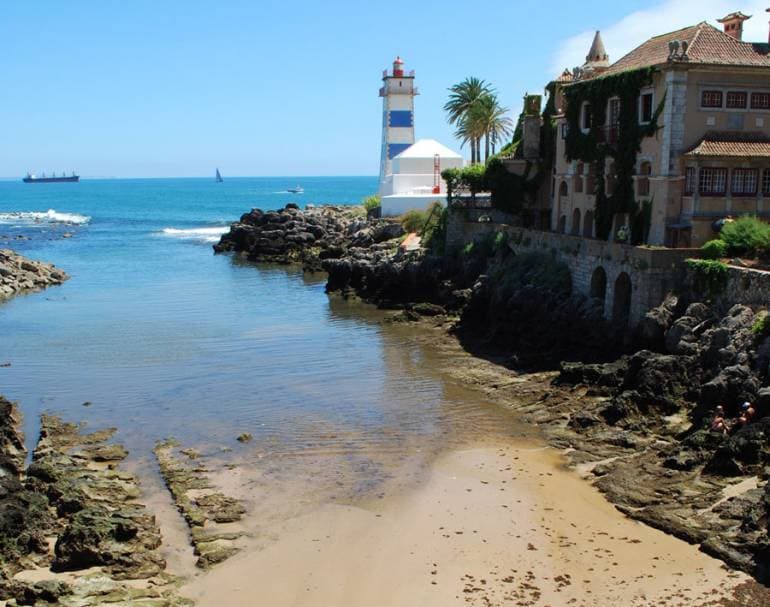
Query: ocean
point(161, 337)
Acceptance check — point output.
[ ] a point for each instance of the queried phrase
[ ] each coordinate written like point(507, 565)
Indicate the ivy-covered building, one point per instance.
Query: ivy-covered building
point(662, 144)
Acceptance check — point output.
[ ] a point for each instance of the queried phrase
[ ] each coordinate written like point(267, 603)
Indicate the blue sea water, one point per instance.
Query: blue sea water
point(164, 338)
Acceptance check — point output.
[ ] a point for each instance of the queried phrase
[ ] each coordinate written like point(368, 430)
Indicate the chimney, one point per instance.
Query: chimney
point(733, 24)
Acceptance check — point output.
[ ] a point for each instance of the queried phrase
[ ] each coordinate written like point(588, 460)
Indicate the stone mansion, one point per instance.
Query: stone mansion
point(706, 156)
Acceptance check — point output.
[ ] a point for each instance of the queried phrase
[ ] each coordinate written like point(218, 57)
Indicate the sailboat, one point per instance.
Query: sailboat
point(218, 177)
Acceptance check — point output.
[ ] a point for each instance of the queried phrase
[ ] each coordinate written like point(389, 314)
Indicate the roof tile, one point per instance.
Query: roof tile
point(732, 144)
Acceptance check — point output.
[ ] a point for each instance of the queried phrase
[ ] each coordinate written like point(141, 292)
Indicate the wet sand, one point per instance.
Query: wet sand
point(492, 524)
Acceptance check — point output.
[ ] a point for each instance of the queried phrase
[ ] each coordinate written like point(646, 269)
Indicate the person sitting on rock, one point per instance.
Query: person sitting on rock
point(719, 424)
point(747, 414)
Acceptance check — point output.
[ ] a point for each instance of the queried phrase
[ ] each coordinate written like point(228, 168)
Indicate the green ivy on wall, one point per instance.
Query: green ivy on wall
point(590, 147)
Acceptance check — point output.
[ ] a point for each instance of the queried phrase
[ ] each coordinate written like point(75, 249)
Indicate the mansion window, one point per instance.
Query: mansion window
point(613, 112)
point(711, 99)
point(645, 108)
point(744, 182)
point(766, 182)
point(712, 182)
point(689, 181)
point(760, 101)
point(585, 119)
point(736, 100)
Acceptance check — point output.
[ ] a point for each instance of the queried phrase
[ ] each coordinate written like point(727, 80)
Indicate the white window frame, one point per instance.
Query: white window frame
point(608, 117)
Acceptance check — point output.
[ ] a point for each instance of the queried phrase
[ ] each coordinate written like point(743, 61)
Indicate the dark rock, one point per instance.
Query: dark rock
point(651, 330)
point(48, 591)
point(428, 309)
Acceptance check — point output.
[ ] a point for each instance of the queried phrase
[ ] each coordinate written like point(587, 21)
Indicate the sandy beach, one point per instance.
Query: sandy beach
point(491, 525)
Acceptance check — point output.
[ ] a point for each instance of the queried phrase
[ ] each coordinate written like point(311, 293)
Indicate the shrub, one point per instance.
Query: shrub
point(714, 249)
point(435, 231)
point(424, 222)
point(414, 220)
point(709, 276)
point(761, 326)
point(746, 236)
point(371, 202)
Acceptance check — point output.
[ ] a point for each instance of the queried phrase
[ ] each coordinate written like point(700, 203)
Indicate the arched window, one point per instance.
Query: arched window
point(621, 301)
point(563, 189)
point(643, 181)
point(588, 225)
point(575, 222)
point(599, 285)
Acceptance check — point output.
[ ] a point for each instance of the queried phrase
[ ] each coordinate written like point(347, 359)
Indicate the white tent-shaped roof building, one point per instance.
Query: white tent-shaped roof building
point(411, 184)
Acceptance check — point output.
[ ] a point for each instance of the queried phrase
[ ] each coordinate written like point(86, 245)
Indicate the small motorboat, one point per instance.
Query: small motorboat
point(297, 190)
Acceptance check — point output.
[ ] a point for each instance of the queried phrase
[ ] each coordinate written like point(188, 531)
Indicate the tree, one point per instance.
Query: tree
point(462, 96)
point(490, 120)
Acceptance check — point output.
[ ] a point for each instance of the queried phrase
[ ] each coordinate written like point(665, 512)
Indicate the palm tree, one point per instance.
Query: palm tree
point(462, 97)
point(491, 119)
point(470, 129)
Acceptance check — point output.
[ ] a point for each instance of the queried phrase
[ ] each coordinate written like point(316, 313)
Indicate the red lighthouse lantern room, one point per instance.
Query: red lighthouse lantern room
point(398, 68)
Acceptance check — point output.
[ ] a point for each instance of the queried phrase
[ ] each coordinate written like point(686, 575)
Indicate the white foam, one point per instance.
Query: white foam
point(49, 217)
point(205, 234)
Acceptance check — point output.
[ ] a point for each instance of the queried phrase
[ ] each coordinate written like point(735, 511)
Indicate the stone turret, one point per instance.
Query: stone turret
point(597, 59)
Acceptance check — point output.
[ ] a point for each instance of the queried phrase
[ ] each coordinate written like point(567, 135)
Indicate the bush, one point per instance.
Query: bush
point(714, 249)
point(761, 326)
point(424, 222)
point(413, 220)
point(371, 202)
point(710, 276)
point(746, 236)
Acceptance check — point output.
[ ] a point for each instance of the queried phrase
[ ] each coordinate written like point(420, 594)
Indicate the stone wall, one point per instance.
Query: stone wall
point(629, 280)
point(746, 286)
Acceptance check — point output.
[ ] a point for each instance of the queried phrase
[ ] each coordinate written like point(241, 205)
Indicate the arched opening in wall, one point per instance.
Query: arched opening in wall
point(575, 222)
point(643, 180)
point(563, 189)
point(599, 285)
point(621, 302)
point(588, 224)
point(562, 228)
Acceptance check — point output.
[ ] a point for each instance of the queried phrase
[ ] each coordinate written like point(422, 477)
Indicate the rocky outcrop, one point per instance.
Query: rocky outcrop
point(74, 497)
point(19, 274)
point(291, 235)
point(205, 510)
point(706, 487)
point(522, 304)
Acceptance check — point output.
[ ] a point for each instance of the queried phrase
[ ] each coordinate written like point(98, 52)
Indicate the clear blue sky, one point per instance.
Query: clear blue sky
point(176, 88)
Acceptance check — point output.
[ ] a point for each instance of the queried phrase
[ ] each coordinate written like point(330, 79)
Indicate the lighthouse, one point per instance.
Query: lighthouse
point(397, 94)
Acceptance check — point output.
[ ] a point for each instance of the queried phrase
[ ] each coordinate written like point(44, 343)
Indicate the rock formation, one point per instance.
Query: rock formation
point(19, 274)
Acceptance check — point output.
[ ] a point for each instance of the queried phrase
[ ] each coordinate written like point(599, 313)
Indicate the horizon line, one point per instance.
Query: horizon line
point(115, 178)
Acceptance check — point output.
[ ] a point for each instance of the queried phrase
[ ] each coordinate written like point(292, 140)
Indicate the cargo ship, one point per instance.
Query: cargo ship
point(30, 178)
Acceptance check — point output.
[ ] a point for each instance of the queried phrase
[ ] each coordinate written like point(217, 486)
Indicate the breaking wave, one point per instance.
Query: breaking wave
point(49, 217)
point(202, 234)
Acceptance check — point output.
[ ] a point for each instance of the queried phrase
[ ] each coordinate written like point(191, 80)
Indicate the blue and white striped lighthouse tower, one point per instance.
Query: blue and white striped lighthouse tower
point(397, 94)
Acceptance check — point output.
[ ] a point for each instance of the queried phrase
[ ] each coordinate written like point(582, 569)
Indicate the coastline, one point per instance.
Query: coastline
point(362, 560)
